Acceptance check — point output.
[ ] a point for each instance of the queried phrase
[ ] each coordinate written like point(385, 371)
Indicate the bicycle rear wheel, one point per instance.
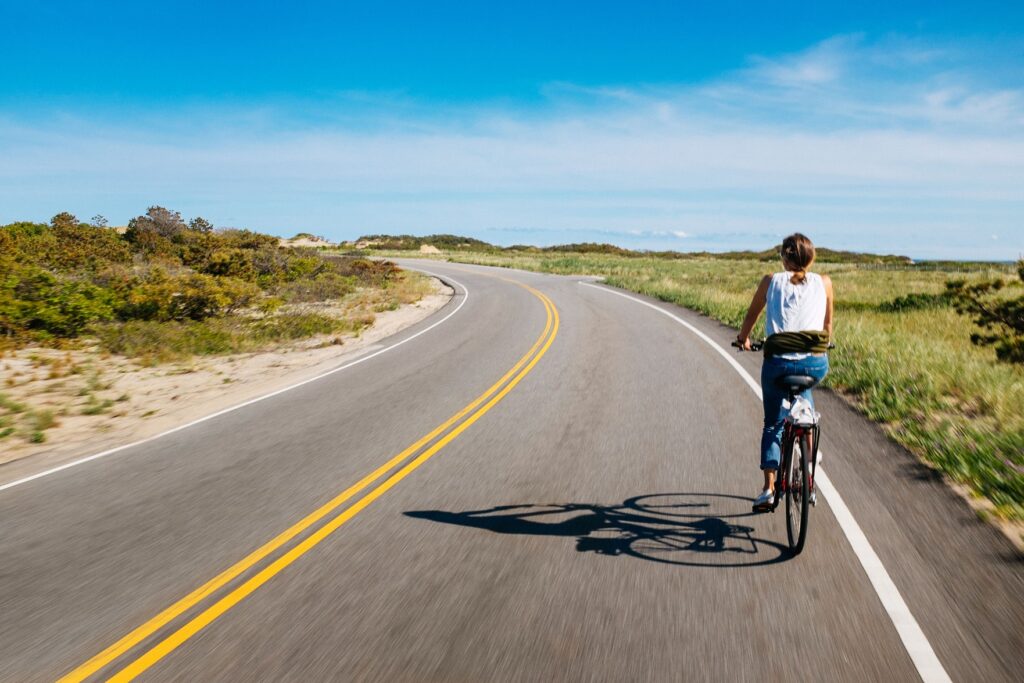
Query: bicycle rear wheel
point(797, 493)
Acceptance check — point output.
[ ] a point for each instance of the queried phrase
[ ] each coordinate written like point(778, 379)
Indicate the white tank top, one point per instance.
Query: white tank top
point(795, 308)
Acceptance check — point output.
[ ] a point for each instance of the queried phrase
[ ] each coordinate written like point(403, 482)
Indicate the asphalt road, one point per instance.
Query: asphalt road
point(584, 516)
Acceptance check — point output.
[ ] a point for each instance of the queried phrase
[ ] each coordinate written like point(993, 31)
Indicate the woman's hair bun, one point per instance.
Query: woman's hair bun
point(797, 255)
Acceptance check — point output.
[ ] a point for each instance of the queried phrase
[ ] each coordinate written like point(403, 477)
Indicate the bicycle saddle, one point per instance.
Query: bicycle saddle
point(795, 383)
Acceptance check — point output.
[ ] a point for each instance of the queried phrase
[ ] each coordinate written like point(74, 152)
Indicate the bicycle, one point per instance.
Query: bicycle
point(800, 433)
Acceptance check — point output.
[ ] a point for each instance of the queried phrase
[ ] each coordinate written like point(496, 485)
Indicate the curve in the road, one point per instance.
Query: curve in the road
point(489, 399)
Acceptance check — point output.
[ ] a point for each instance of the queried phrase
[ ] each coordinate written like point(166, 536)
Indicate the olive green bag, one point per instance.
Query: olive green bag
point(811, 341)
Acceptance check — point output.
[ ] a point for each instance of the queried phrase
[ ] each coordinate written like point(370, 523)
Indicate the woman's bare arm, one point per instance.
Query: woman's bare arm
point(757, 305)
point(827, 281)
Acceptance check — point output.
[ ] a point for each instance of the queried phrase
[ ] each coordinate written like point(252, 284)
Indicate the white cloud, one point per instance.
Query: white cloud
point(834, 139)
point(821, 64)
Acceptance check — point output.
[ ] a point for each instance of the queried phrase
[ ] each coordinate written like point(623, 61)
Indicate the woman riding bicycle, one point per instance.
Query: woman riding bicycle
point(798, 325)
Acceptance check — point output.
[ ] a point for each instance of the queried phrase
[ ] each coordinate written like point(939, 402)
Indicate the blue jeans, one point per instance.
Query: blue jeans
point(774, 414)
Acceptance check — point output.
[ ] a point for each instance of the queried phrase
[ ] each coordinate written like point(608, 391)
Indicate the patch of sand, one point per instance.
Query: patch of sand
point(313, 242)
point(132, 402)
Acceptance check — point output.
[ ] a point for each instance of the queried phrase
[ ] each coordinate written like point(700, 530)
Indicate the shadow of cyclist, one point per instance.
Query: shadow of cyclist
point(678, 528)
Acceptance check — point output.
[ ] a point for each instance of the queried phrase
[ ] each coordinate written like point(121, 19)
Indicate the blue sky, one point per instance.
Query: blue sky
point(895, 127)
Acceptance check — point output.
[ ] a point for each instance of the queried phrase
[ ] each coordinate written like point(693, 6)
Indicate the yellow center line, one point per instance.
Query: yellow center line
point(150, 627)
point(211, 613)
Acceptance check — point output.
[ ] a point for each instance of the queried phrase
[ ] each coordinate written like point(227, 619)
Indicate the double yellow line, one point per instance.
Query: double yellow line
point(475, 410)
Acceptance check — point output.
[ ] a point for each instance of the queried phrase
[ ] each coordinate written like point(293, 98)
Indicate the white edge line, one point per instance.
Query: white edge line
point(914, 640)
point(116, 449)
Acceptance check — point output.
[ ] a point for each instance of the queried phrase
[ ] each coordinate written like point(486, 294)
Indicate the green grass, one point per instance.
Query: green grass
point(10, 405)
point(16, 418)
point(903, 355)
point(41, 420)
point(95, 406)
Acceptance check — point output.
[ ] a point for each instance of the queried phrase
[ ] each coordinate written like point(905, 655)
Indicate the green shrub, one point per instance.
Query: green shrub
point(237, 263)
point(371, 273)
point(295, 326)
point(325, 286)
point(916, 302)
point(27, 243)
point(1000, 320)
point(95, 406)
point(190, 296)
point(157, 221)
point(195, 247)
point(81, 246)
point(246, 239)
point(37, 302)
point(165, 341)
point(66, 245)
point(42, 419)
point(11, 405)
point(173, 340)
point(60, 280)
point(304, 267)
point(270, 263)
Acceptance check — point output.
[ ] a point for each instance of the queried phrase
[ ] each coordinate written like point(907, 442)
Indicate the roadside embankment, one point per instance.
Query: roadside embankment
point(68, 403)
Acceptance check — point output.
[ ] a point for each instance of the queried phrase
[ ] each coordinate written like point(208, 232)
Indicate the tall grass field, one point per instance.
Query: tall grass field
point(903, 355)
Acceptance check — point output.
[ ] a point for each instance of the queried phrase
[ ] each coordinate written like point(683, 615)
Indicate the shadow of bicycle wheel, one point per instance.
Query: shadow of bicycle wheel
point(686, 529)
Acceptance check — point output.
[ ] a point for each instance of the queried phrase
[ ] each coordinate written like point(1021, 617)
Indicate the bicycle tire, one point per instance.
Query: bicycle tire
point(797, 493)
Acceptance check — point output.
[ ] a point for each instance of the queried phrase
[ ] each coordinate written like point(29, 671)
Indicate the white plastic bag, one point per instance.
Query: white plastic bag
point(801, 412)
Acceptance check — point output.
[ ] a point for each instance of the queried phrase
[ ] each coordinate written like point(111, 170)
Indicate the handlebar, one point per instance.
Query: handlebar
point(755, 345)
point(758, 344)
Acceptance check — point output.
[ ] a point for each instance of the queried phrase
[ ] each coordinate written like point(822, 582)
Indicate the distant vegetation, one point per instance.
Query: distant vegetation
point(904, 356)
point(462, 244)
point(409, 242)
point(166, 287)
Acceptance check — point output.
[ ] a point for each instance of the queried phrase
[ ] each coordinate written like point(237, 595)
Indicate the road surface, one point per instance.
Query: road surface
point(552, 482)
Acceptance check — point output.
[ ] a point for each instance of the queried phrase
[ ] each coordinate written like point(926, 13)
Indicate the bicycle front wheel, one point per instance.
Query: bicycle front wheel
point(797, 493)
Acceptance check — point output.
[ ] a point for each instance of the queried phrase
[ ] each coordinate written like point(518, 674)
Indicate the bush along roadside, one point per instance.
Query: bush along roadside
point(164, 288)
point(1000, 319)
point(83, 306)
